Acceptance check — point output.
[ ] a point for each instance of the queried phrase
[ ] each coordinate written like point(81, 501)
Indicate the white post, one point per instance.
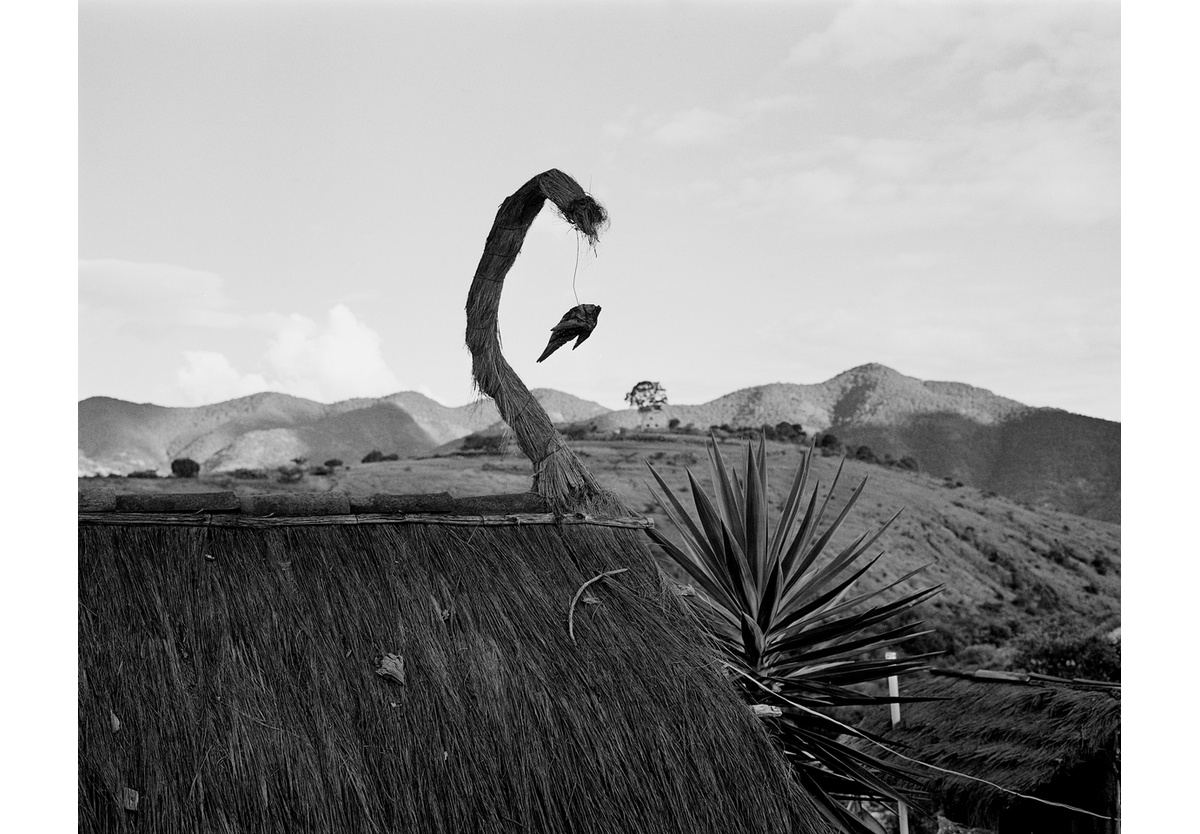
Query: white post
point(894, 692)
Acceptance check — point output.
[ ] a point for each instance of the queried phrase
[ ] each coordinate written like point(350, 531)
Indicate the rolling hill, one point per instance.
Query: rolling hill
point(1043, 457)
point(869, 395)
point(268, 430)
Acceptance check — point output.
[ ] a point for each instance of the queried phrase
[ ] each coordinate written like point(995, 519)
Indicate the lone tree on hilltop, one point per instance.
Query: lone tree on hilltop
point(647, 396)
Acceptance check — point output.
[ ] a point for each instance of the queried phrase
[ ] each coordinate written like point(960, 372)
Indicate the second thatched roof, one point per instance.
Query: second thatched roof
point(1030, 734)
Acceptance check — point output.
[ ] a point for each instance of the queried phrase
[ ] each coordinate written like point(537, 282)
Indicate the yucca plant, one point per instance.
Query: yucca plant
point(782, 604)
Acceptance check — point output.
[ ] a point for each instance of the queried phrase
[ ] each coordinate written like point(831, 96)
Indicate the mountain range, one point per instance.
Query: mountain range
point(1039, 456)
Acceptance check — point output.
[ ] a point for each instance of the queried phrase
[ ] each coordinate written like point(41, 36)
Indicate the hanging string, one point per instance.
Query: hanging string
point(576, 272)
point(918, 761)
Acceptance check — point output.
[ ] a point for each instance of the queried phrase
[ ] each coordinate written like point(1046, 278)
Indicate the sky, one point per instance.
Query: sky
point(294, 196)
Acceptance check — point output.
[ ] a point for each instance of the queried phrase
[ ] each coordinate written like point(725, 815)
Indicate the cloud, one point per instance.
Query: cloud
point(873, 33)
point(125, 298)
point(1063, 171)
point(702, 125)
point(918, 115)
point(208, 377)
point(338, 359)
point(767, 105)
point(960, 35)
point(1058, 55)
point(158, 311)
point(697, 126)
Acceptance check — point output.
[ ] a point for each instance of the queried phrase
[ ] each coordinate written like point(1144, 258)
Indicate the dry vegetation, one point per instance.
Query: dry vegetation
point(1009, 569)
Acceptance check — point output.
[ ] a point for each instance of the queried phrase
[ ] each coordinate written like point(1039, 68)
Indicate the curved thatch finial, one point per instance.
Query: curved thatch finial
point(558, 475)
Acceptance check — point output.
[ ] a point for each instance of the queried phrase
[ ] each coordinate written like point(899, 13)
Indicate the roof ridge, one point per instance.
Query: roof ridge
point(1029, 678)
point(334, 502)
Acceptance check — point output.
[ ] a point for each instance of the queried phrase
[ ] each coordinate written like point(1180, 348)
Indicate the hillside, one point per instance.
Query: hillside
point(1009, 568)
point(126, 436)
point(867, 395)
point(1042, 456)
point(268, 430)
point(345, 436)
point(1045, 457)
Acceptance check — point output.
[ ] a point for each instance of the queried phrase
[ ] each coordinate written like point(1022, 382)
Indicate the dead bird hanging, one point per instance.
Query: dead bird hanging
point(577, 323)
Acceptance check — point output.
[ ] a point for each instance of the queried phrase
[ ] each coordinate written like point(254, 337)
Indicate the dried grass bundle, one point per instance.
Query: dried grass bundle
point(559, 476)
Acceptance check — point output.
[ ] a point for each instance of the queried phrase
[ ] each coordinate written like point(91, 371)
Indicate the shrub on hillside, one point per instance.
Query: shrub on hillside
point(785, 432)
point(828, 443)
point(185, 468)
point(865, 454)
point(143, 473)
point(249, 474)
point(488, 444)
point(1050, 653)
point(373, 456)
point(290, 474)
point(575, 432)
point(333, 463)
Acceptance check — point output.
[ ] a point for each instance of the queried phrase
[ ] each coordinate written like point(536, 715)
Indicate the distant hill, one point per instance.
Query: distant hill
point(1041, 456)
point(267, 430)
point(346, 436)
point(867, 395)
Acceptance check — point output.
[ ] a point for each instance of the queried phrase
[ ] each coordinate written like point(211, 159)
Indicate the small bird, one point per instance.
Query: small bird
point(579, 322)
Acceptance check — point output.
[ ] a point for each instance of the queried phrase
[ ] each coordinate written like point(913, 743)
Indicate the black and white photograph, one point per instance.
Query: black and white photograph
point(640, 416)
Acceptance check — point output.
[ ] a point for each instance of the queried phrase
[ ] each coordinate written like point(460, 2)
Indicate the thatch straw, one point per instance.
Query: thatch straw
point(1054, 741)
point(559, 475)
point(242, 665)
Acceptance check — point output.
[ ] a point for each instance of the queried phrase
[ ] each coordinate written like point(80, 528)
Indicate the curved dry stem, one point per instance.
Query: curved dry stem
point(559, 476)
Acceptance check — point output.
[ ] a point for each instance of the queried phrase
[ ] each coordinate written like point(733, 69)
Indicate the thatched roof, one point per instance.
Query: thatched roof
point(332, 664)
point(1027, 733)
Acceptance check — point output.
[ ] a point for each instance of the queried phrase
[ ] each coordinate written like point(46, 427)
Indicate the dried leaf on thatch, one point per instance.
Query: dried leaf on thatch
point(392, 666)
point(129, 799)
point(577, 323)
